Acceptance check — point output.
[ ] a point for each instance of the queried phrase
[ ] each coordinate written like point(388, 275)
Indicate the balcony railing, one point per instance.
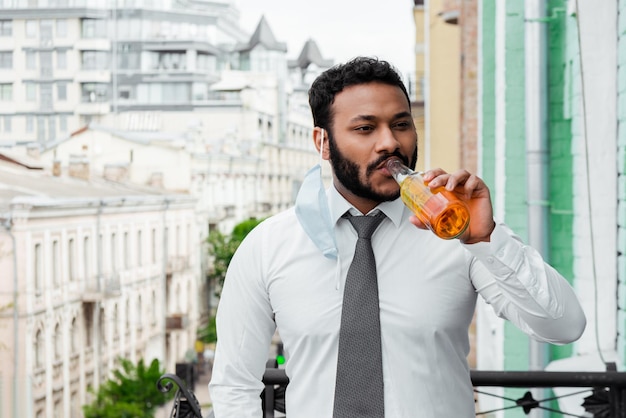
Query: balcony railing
point(607, 399)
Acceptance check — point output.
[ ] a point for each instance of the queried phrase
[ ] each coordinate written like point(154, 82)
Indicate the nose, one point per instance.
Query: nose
point(387, 141)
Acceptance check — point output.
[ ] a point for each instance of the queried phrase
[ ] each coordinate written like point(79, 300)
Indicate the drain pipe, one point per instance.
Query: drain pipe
point(536, 66)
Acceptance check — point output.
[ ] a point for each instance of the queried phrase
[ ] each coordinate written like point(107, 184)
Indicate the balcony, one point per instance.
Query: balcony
point(605, 392)
point(95, 290)
point(176, 322)
point(177, 263)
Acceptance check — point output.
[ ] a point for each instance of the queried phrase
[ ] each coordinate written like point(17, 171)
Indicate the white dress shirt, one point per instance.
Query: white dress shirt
point(427, 290)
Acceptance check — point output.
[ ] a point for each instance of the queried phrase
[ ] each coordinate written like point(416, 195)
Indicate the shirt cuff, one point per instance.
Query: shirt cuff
point(500, 254)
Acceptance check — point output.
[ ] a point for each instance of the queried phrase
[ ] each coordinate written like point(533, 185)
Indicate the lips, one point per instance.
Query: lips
point(383, 165)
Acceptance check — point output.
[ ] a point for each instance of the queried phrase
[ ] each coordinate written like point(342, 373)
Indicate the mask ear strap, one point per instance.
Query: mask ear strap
point(322, 145)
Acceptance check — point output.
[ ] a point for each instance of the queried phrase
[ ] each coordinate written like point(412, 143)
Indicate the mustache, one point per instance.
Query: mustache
point(374, 165)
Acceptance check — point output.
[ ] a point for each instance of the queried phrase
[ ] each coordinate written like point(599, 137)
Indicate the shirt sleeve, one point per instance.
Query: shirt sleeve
point(514, 279)
point(245, 326)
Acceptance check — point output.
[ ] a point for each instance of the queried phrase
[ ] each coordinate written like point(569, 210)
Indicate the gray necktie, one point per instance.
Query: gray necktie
point(359, 385)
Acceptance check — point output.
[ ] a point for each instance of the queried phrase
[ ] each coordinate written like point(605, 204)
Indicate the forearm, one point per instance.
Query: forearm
point(522, 288)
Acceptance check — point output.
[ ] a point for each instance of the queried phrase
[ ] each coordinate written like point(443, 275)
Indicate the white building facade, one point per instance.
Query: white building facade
point(92, 272)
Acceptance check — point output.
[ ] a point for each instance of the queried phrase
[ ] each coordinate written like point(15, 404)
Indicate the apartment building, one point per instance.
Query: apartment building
point(166, 69)
point(66, 63)
point(93, 271)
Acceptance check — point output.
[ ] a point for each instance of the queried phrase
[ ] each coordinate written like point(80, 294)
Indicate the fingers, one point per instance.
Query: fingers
point(460, 181)
point(415, 221)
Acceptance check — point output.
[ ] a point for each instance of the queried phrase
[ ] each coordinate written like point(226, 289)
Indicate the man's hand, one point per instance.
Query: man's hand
point(473, 191)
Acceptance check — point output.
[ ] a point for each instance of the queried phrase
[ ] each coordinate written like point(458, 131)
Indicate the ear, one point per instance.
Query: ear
point(318, 133)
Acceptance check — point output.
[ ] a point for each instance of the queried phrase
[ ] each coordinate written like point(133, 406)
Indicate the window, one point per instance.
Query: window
point(30, 123)
point(94, 92)
point(115, 324)
point(38, 268)
point(128, 59)
point(177, 242)
point(6, 28)
point(139, 247)
point(74, 336)
point(139, 318)
point(71, 260)
point(62, 59)
point(169, 61)
point(88, 321)
point(103, 327)
point(31, 28)
point(39, 349)
point(62, 123)
point(45, 95)
point(57, 342)
point(6, 59)
point(86, 257)
point(93, 28)
point(52, 126)
point(127, 313)
point(7, 123)
point(6, 92)
point(55, 262)
point(125, 262)
point(58, 409)
point(31, 60)
point(154, 246)
point(113, 253)
point(31, 92)
point(41, 128)
point(61, 28)
point(124, 92)
point(45, 32)
point(62, 91)
point(94, 60)
point(154, 308)
point(45, 63)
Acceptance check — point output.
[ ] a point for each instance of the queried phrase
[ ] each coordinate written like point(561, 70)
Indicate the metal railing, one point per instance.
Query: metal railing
point(607, 399)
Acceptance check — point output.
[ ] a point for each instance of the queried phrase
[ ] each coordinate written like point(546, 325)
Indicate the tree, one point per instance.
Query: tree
point(221, 249)
point(130, 393)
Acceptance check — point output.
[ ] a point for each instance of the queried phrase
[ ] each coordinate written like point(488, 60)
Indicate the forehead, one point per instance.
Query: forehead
point(370, 99)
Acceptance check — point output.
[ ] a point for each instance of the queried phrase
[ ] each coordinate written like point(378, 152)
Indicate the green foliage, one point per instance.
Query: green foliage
point(208, 334)
point(222, 248)
point(130, 393)
point(242, 229)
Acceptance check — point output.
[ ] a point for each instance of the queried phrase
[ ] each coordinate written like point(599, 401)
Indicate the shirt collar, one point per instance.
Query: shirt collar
point(395, 210)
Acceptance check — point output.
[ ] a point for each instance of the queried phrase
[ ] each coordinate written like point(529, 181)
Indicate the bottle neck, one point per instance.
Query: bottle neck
point(398, 170)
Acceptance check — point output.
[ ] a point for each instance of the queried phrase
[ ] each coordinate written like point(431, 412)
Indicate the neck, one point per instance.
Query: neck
point(362, 204)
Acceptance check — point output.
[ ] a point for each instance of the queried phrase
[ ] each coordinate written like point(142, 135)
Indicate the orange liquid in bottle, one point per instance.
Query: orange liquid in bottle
point(440, 210)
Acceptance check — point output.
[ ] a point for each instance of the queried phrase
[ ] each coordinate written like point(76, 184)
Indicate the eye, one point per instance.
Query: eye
point(402, 125)
point(365, 128)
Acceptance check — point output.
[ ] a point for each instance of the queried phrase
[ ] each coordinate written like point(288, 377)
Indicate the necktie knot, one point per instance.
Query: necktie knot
point(365, 225)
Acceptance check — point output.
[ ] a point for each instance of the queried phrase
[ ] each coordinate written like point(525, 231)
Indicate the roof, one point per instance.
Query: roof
point(311, 54)
point(23, 160)
point(264, 36)
point(19, 184)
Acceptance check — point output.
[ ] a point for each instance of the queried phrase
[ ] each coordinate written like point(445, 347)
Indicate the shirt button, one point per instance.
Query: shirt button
point(501, 253)
point(490, 260)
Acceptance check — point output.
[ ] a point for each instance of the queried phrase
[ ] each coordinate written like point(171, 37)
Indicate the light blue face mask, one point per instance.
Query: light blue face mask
point(313, 212)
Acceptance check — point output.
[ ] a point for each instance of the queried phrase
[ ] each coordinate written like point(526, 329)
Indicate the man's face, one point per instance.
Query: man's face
point(371, 123)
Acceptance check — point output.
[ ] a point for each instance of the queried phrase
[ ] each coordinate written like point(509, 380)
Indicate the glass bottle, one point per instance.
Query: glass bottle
point(440, 210)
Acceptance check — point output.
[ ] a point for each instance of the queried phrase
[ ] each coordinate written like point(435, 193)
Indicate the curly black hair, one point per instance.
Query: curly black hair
point(359, 70)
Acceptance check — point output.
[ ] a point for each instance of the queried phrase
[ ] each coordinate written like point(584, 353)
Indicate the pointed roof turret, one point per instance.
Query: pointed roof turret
point(263, 35)
point(311, 54)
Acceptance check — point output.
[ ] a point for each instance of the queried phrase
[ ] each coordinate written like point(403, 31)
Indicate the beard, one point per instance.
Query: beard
point(347, 172)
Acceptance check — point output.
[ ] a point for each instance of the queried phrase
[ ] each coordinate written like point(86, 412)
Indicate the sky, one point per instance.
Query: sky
point(342, 29)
